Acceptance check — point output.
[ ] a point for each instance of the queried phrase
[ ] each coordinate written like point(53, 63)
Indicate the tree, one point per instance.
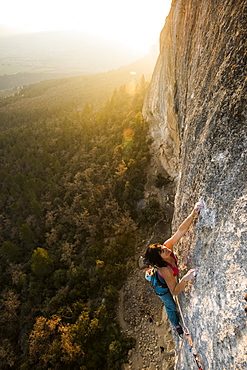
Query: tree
point(52, 343)
point(11, 251)
point(42, 264)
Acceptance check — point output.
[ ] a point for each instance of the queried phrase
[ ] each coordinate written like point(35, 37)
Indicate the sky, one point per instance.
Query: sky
point(135, 23)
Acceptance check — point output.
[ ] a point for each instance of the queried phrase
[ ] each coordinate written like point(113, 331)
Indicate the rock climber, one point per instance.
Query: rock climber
point(165, 264)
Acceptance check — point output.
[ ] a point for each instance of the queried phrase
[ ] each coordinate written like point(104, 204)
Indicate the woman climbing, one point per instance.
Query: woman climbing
point(165, 269)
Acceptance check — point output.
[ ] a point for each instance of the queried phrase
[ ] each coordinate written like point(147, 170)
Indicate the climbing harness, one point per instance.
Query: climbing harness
point(157, 281)
point(187, 335)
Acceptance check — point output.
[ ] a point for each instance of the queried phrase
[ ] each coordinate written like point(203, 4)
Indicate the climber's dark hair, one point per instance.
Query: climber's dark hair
point(153, 256)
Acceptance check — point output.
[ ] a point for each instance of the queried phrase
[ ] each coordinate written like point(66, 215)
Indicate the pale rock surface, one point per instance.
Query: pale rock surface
point(196, 109)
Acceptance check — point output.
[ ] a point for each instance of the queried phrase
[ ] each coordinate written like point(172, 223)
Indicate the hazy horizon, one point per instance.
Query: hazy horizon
point(131, 23)
point(79, 37)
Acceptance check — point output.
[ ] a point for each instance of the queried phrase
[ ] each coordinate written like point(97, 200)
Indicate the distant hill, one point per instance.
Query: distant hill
point(78, 89)
point(34, 74)
point(10, 31)
point(32, 57)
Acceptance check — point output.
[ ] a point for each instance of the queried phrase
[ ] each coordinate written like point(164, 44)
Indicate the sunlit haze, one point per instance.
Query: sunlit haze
point(135, 23)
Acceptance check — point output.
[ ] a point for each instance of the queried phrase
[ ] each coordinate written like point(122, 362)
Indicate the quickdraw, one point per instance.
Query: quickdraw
point(186, 333)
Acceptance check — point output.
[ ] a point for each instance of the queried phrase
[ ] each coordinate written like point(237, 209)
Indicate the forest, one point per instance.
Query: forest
point(74, 156)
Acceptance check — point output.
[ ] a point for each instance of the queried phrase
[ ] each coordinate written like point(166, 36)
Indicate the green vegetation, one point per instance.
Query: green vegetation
point(72, 172)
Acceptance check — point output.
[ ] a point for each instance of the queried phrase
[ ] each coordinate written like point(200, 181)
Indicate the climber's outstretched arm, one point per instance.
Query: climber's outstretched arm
point(184, 226)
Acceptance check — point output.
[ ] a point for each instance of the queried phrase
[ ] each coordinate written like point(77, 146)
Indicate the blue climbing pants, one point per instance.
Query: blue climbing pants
point(171, 307)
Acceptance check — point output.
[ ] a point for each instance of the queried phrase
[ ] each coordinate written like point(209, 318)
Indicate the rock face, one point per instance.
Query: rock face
point(195, 106)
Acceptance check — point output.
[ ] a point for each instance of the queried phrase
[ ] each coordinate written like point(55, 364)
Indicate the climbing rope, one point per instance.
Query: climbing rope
point(186, 333)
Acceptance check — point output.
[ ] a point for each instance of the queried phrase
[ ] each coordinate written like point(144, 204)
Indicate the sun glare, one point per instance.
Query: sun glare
point(136, 23)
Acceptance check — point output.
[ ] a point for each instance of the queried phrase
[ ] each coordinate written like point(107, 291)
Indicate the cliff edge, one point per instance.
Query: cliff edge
point(196, 109)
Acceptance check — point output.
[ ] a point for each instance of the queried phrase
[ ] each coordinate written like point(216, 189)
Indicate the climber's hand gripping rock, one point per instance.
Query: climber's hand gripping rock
point(198, 206)
point(191, 275)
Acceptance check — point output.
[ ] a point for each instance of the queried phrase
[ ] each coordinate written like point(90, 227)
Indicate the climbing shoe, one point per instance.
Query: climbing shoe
point(179, 330)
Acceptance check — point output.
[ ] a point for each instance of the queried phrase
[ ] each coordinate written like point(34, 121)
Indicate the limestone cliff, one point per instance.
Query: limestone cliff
point(196, 109)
